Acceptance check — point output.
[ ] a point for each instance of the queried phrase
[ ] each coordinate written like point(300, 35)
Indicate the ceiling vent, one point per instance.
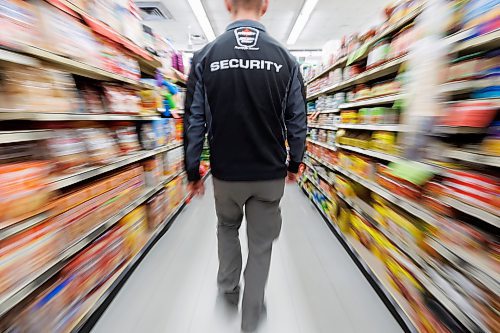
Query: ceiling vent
point(154, 11)
point(197, 39)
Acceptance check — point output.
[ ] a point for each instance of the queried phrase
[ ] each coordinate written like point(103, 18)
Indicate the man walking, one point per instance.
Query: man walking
point(246, 91)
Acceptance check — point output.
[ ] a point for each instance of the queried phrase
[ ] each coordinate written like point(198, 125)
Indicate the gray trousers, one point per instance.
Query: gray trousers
point(261, 202)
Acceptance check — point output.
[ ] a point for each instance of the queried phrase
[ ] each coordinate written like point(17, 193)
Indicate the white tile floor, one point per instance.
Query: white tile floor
point(314, 286)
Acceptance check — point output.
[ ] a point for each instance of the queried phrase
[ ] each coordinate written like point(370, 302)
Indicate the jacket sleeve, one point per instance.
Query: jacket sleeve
point(296, 120)
point(194, 120)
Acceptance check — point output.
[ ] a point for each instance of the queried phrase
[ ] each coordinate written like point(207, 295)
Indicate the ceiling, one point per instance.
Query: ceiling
point(331, 19)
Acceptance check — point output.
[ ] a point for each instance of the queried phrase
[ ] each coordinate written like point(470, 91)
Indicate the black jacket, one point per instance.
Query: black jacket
point(246, 91)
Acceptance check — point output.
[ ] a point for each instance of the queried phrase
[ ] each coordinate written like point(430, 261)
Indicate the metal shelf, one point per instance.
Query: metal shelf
point(70, 65)
point(461, 259)
point(324, 145)
point(472, 157)
point(338, 63)
point(40, 116)
point(458, 130)
point(448, 304)
point(16, 58)
point(86, 173)
point(483, 42)
point(373, 127)
point(467, 86)
point(20, 136)
point(389, 67)
point(314, 95)
point(372, 101)
point(372, 153)
point(330, 128)
point(479, 213)
point(18, 227)
point(330, 111)
point(325, 163)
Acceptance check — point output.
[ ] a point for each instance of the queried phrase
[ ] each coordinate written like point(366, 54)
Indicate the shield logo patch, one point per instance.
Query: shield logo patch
point(246, 38)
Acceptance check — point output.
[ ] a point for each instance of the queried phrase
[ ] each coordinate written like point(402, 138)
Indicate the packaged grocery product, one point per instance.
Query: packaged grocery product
point(402, 41)
point(121, 100)
point(384, 141)
point(74, 39)
point(36, 90)
point(18, 21)
point(101, 147)
point(147, 136)
point(126, 137)
point(136, 225)
point(491, 144)
point(62, 302)
point(151, 100)
point(91, 96)
point(24, 189)
point(26, 253)
point(67, 149)
point(153, 171)
point(471, 113)
point(379, 53)
point(156, 210)
point(474, 188)
point(467, 67)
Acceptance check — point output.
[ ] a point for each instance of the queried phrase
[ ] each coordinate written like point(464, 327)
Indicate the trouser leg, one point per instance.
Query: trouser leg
point(264, 225)
point(229, 208)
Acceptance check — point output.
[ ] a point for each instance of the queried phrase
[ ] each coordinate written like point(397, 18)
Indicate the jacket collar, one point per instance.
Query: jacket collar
point(246, 23)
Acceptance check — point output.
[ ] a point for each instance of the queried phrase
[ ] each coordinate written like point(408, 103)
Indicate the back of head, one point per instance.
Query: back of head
point(255, 8)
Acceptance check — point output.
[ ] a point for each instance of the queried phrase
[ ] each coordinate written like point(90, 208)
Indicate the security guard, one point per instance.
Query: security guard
point(246, 91)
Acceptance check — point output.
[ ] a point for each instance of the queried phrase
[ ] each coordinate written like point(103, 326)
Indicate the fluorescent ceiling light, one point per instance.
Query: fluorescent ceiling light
point(301, 21)
point(202, 18)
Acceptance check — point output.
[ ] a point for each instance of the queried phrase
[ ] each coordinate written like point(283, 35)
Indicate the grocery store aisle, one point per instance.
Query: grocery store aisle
point(314, 286)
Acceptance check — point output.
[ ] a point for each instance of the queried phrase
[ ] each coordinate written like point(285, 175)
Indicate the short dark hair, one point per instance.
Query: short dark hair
point(247, 4)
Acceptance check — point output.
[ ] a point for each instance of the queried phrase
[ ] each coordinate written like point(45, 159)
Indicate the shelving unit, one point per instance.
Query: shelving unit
point(414, 208)
point(19, 294)
point(106, 200)
point(425, 268)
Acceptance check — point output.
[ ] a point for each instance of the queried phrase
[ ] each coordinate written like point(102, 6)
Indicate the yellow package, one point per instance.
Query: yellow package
point(135, 228)
point(343, 221)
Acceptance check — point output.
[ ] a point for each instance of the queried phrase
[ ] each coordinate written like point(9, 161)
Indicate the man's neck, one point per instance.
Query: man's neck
point(245, 15)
